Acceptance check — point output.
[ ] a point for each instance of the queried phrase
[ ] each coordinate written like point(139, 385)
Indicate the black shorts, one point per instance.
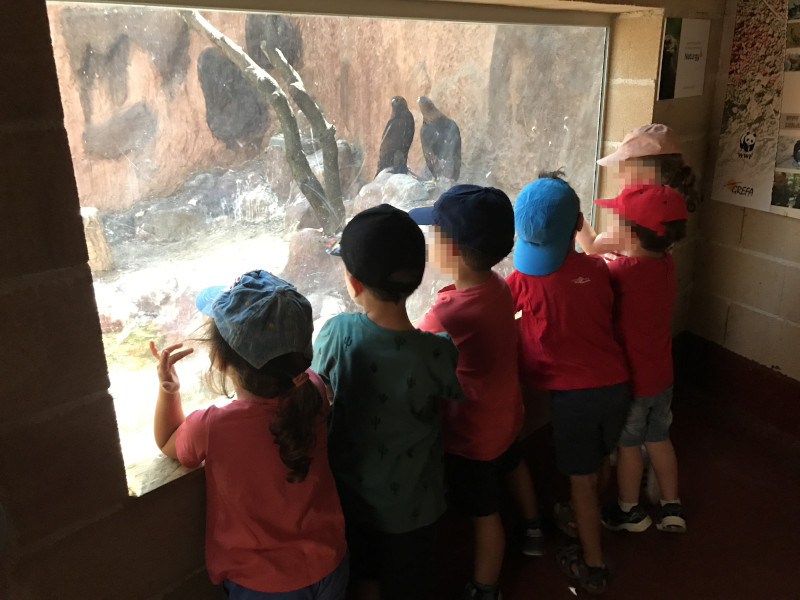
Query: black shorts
point(586, 425)
point(476, 487)
point(401, 563)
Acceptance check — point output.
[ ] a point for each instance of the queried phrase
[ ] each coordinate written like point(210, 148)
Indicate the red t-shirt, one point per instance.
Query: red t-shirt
point(566, 331)
point(262, 532)
point(480, 321)
point(645, 298)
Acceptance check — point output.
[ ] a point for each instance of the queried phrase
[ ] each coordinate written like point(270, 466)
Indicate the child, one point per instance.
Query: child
point(567, 346)
point(644, 285)
point(274, 526)
point(384, 434)
point(648, 155)
point(473, 229)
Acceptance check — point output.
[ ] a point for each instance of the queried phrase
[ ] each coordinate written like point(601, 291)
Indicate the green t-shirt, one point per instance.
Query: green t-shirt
point(384, 434)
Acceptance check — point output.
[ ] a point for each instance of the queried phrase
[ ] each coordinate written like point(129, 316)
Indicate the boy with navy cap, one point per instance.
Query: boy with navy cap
point(473, 230)
point(567, 346)
point(388, 378)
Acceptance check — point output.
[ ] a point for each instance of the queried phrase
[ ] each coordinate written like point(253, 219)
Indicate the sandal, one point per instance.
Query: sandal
point(592, 579)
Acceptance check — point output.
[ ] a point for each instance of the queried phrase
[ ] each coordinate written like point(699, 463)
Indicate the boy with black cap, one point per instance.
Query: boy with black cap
point(388, 378)
point(473, 230)
point(567, 346)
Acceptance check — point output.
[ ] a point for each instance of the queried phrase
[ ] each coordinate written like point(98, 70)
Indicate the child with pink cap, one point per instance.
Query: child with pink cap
point(651, 215)
point(649, 155)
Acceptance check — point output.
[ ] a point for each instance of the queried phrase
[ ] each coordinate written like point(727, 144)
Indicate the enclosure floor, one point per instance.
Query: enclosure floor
point(739, 483)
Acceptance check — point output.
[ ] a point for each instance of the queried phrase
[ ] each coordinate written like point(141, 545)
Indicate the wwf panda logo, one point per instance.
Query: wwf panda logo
point(747, 142)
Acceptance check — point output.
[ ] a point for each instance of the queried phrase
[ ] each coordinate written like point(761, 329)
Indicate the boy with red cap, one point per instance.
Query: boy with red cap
point(567, 346)
point(473, 230)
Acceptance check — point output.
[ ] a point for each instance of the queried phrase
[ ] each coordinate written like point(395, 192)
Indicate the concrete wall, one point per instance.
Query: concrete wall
point(747, 276)
point(67, 526)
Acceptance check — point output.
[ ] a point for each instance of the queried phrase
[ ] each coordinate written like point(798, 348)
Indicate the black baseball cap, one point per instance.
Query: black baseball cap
point(384, 248)
point(480, 218)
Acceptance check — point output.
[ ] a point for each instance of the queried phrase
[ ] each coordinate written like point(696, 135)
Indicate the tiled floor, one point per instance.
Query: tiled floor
point(740, 486)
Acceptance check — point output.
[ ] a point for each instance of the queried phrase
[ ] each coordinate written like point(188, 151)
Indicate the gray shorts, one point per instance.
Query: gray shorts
point(649, 419)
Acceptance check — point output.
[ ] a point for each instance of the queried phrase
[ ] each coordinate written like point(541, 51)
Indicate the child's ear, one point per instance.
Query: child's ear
point(357, 286)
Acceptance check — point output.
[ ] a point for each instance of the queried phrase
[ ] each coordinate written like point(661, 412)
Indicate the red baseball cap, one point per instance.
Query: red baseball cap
point(649, 206)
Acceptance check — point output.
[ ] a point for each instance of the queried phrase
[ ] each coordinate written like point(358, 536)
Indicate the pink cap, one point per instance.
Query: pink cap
point(649, 206)
point(647, 140)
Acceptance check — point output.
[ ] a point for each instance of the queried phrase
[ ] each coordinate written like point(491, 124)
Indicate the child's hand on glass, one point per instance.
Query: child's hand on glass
point(167, 375)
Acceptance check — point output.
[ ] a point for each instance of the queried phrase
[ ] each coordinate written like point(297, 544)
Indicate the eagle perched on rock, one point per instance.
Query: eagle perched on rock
point(397, 137)
point(441, 141)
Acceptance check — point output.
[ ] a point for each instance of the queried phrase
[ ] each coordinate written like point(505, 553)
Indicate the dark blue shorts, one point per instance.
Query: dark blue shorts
point(476, 487)
point(330, 587)
point(586, 425)
point(401, 563)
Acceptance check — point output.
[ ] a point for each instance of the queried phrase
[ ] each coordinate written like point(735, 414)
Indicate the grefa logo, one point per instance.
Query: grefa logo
point(737, 188)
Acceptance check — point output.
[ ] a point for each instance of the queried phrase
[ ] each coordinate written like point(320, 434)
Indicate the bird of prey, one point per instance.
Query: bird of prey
point(397, 137)
point(441, 141)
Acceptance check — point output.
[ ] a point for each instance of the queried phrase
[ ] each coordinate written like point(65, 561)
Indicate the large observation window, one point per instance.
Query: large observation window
point(180, 155)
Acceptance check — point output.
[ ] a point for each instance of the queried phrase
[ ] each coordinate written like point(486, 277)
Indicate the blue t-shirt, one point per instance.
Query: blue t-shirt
point(384, 434)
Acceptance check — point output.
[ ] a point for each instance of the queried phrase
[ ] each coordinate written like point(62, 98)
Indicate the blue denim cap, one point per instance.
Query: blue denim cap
point(260, 316)
point(474, 216)
point(545, 215)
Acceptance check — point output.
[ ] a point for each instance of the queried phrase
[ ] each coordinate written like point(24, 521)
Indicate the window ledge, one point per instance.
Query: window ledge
point(149, 474)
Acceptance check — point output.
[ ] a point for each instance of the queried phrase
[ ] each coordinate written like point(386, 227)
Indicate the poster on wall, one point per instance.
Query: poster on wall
point(683, 58)
point(751, 119)
point(785, 197)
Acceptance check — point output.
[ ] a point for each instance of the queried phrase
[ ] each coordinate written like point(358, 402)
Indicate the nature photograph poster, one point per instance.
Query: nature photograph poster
point(785, 197)
point(683, 58)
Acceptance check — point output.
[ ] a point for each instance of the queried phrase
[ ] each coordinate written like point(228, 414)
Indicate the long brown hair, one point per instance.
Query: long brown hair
point(294, 422)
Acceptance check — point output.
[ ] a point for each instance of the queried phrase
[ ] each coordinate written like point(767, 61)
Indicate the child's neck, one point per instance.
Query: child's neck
point(636, 250)
point(386, 314)
point(467, 278)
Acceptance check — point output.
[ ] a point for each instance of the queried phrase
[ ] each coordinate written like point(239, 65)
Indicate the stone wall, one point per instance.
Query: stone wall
point(135, 84)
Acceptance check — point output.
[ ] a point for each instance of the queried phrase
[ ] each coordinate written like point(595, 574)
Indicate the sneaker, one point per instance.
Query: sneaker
point(532, 538)
point(592, 579)
point(472, 592)
point(672, 520)
point(616, 519)
point(565, 519)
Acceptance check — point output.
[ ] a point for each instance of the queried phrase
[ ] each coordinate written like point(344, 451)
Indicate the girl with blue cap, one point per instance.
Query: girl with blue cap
point(274, 526)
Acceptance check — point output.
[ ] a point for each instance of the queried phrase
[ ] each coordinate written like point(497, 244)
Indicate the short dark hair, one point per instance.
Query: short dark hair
point(477, 260)
point(386, 295)
point(677, 174)
point(557, 174)
point(650, 240)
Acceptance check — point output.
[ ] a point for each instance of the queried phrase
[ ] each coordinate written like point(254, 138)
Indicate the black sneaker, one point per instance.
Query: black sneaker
point(532, 538)
point(472, 592)
point(672, 520)
point(616, 519)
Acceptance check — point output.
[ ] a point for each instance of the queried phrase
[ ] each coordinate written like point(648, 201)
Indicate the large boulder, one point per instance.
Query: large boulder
point(400, 190)
point(300, 215)
point(310, 268)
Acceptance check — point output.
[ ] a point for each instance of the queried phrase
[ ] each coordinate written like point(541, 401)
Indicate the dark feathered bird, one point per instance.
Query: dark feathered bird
point(397, 137)
point(441, 141)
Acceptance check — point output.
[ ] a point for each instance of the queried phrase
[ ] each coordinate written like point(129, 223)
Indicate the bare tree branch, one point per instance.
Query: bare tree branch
point(322, 130)
point(310, 186)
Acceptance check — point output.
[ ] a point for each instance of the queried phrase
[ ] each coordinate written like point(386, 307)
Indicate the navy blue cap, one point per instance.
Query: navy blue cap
point(260, 316)
point(478, 217)
point(545, 215)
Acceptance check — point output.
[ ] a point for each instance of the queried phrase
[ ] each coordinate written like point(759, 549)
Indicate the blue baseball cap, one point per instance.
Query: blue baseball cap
point(260, 316)
point(545, 215)
point(477, 217)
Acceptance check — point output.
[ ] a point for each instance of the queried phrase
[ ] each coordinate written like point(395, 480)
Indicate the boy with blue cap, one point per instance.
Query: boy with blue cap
point(388, 380)
point(567, 346)
point(472, 230)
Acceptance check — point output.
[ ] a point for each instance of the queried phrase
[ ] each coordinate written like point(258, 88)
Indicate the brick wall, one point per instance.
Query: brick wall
point(68, 527)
